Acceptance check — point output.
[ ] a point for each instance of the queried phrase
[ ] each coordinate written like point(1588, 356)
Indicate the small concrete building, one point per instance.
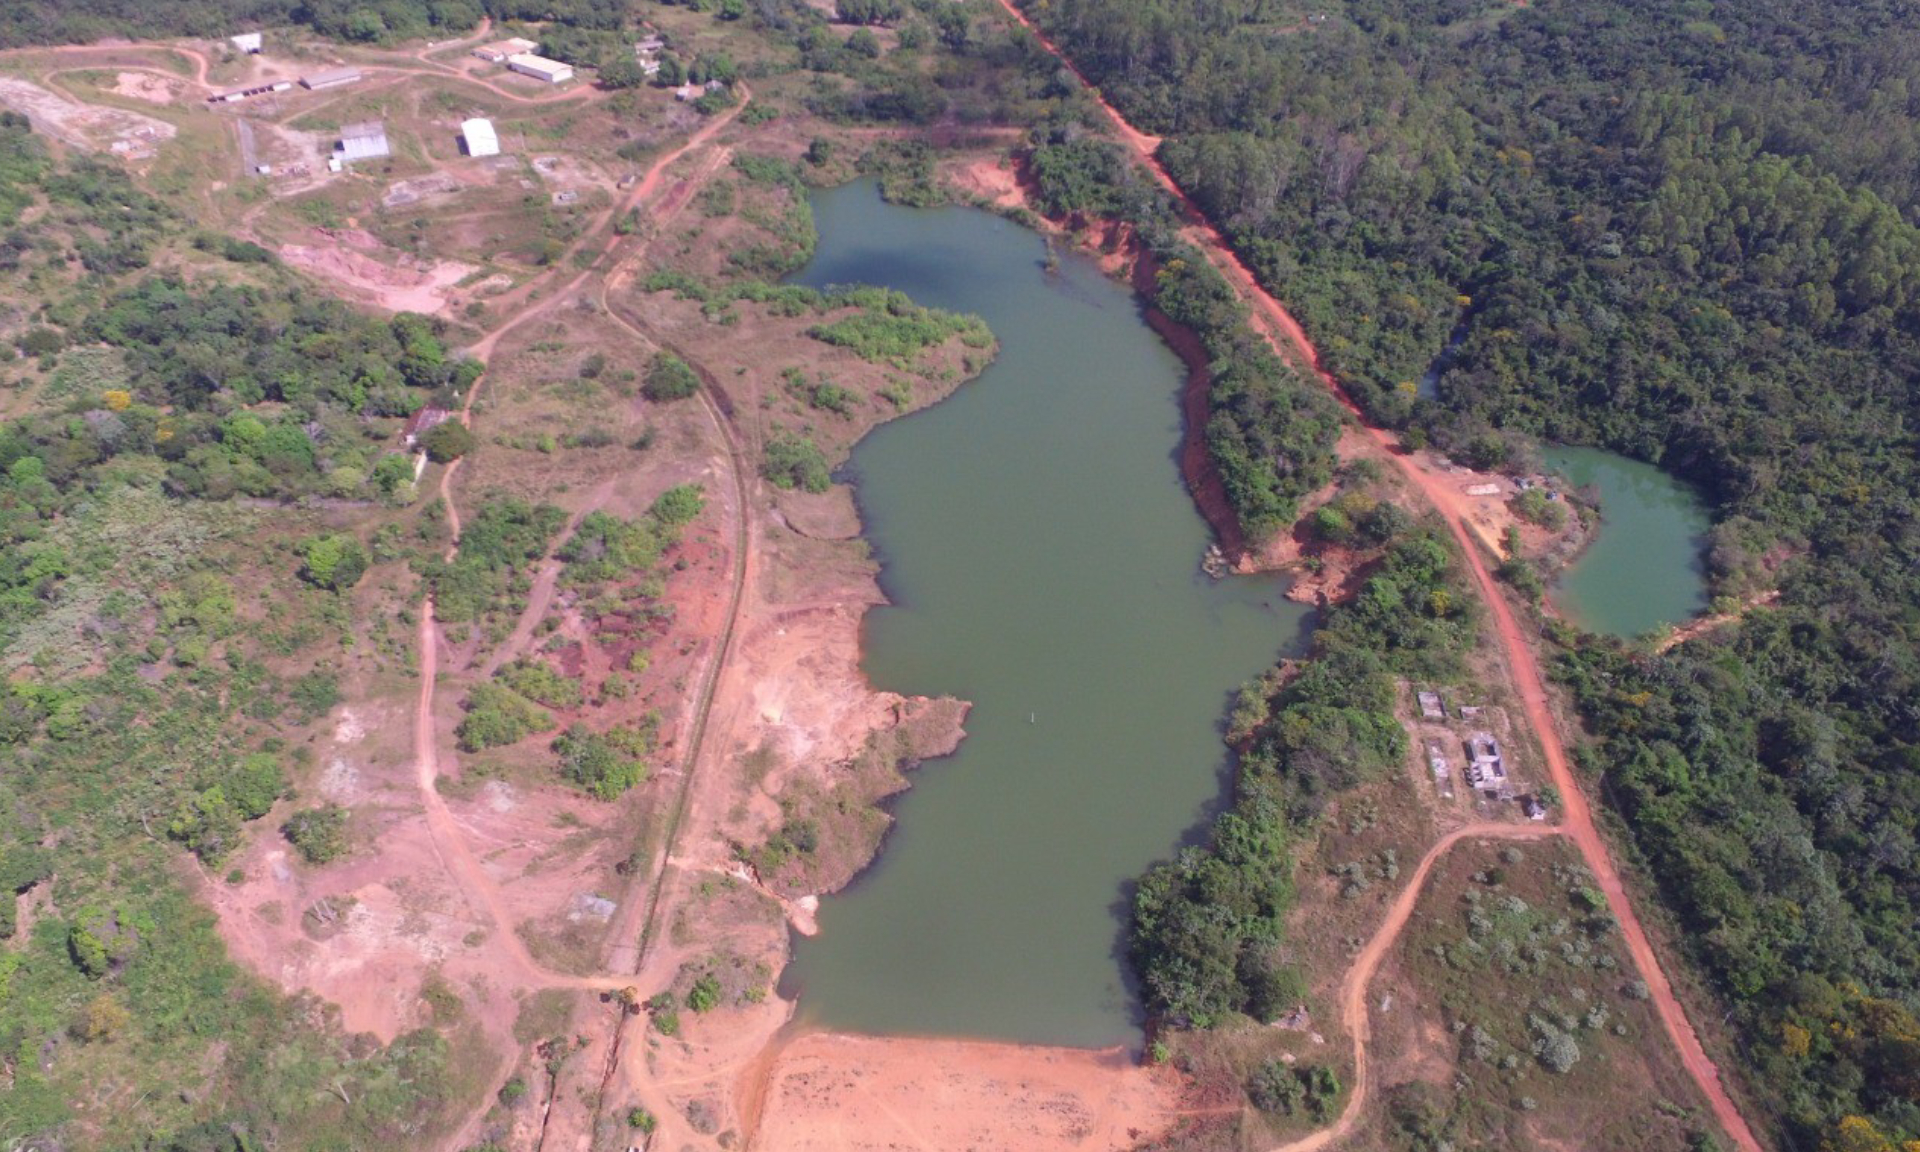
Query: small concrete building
point(330, 78)
point(1431, 707)
point(540, 68)
point(688, 92)
point(248, 42)
point(650, 46)
point(480, 137)
point(366, 140)
point(498, 51)
point(1489, 772)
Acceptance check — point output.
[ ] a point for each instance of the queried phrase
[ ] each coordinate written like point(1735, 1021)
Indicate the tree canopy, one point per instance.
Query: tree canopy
point(1684, 232)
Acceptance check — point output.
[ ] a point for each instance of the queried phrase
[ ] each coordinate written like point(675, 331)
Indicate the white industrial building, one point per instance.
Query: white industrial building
point(481, 139)
point(540, 68)
point(498, 51)
point(364, 141)
point(331, 78)
point(248, 42)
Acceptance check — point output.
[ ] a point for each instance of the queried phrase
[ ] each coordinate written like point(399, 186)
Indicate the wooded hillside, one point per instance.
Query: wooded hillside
point(172, 624)
point(1683, 231)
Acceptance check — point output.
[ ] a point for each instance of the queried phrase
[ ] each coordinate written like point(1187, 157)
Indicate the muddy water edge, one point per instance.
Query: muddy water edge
point(1042, 555)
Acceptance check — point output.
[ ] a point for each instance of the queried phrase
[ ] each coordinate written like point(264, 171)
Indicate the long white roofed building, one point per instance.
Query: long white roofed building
point(541, 68)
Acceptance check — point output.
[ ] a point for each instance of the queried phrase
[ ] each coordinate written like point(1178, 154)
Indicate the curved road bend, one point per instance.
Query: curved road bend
point(1290, 340)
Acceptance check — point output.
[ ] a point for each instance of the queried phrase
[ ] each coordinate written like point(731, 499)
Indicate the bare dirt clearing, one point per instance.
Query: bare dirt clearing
point(829, 1092)
point(85, 126)
point(991, 180)
point(358, 264)
point(149, 86)
point(363, 933)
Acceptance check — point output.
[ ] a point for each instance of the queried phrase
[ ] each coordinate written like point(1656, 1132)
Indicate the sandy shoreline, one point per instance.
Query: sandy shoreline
point(836, 1092)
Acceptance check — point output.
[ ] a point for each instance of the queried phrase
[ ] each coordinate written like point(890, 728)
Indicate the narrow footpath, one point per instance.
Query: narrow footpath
point(1577, 824)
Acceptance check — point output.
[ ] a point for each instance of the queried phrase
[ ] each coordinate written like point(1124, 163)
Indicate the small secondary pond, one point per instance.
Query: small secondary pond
point(1043, 557)
point(1646, 566)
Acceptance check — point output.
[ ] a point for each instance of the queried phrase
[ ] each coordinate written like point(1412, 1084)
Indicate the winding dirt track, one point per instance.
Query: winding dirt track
point(199, 58)
point(742, 470)
point(454, 852)
point(1577, 824)
point(1354, 987)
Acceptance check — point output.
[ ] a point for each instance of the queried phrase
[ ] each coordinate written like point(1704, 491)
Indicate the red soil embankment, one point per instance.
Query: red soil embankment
point(1196, 463)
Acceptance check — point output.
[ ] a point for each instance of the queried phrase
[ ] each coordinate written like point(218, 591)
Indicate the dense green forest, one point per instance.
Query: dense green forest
point(80, 21)
point(1683, 231)
point(1269, 433)
point(171, 625)
point(48, 22)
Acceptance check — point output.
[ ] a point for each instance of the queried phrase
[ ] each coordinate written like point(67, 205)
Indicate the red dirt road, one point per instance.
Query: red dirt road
point(1291, 341)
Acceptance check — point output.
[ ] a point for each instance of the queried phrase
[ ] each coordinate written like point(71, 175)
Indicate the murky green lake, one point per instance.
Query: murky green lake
point(1042, 555)
point(1647, 566)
